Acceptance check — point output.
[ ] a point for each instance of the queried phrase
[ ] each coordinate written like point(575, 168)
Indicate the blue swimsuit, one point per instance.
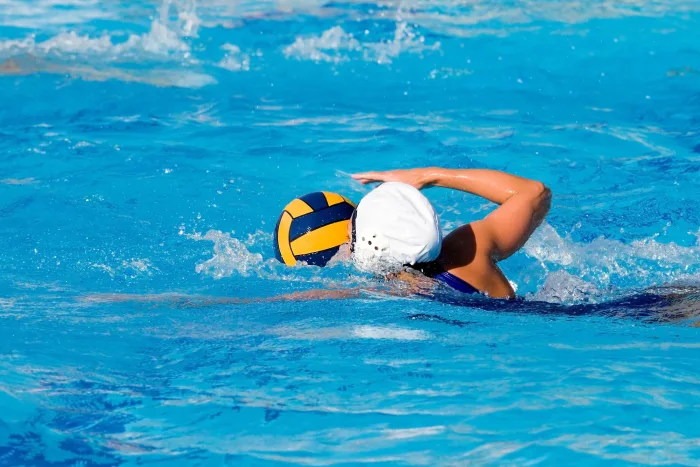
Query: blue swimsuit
point(455, 282)
point(434, 270)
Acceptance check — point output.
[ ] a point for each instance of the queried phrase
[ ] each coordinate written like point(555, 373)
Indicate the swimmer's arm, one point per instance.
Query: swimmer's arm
point(493, 185)
point(180, 300)
point(524, 203)
point(304, 296)
point(523, 206)
point(406, 289)
point(497, 187)
point(319, 294)
point(401, 285)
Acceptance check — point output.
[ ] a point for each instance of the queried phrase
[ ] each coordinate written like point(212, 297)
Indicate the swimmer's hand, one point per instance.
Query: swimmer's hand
point(417, 178)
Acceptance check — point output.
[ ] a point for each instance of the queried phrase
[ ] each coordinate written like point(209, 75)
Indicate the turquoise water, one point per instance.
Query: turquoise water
point(148, 148)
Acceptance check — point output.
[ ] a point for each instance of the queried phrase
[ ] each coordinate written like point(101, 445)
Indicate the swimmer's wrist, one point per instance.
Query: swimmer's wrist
point(434, 176)
point(431, 176)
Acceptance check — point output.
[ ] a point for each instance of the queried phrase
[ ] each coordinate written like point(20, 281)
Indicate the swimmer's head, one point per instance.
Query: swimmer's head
point(394, 225)
point(312, 228)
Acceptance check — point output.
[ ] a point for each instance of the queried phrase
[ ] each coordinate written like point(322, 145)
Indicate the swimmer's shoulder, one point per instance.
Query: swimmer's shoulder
point(466, 253)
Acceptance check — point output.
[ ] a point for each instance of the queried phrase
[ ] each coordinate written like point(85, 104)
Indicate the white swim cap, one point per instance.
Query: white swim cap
point(395, 225)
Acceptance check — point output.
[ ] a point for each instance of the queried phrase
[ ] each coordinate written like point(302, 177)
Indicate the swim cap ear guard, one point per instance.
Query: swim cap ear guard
point(371, 264)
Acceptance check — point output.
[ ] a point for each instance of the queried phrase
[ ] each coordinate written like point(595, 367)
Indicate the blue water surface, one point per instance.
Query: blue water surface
point(147, 148)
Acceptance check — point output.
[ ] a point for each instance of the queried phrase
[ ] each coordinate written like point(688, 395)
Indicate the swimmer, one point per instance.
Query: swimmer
point(396, 224)
point(395, 232)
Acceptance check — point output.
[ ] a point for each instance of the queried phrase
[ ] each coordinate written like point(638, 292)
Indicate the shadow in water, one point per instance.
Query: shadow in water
point(666, 304)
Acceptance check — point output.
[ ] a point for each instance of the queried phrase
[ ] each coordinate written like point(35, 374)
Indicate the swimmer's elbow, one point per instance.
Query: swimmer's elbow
point(539, 189)
point(546, 196)
point(543, 200)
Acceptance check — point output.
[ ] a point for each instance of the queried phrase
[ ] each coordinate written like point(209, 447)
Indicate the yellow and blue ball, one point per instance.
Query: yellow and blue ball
point(312, 228)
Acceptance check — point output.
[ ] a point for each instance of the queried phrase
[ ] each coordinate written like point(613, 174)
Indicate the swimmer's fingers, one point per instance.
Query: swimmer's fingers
point(417, 178)
point(370, 177)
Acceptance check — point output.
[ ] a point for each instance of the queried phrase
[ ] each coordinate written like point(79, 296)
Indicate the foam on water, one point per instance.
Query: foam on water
point(601, 269)
point(232, 257)
point(168, 40)
point(159, 42)
point(234, 60)
point(335, 45)
point(319, 48)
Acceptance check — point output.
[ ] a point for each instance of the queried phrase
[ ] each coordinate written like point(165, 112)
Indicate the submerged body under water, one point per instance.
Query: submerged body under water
point(148, 148)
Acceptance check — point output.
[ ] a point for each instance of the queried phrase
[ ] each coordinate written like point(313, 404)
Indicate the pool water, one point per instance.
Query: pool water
point(147, 149)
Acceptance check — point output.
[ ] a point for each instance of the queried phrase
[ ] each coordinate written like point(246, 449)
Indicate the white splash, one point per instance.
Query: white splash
point(335, 46)
point(580, 272)
point(234, 60)
point(562, 287)
point(86, 55)
point(405, 40)
point(138, 267)
point(230, 256)
point(159, 42)
point(328, 47)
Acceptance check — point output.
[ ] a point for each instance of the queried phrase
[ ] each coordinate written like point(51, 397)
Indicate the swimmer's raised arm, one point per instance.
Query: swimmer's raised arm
point(493, 185)
point(524, 202)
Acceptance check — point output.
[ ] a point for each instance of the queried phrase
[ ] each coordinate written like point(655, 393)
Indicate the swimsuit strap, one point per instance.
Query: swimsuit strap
point(435, 270)
point(456, 283)
point(430, 269)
